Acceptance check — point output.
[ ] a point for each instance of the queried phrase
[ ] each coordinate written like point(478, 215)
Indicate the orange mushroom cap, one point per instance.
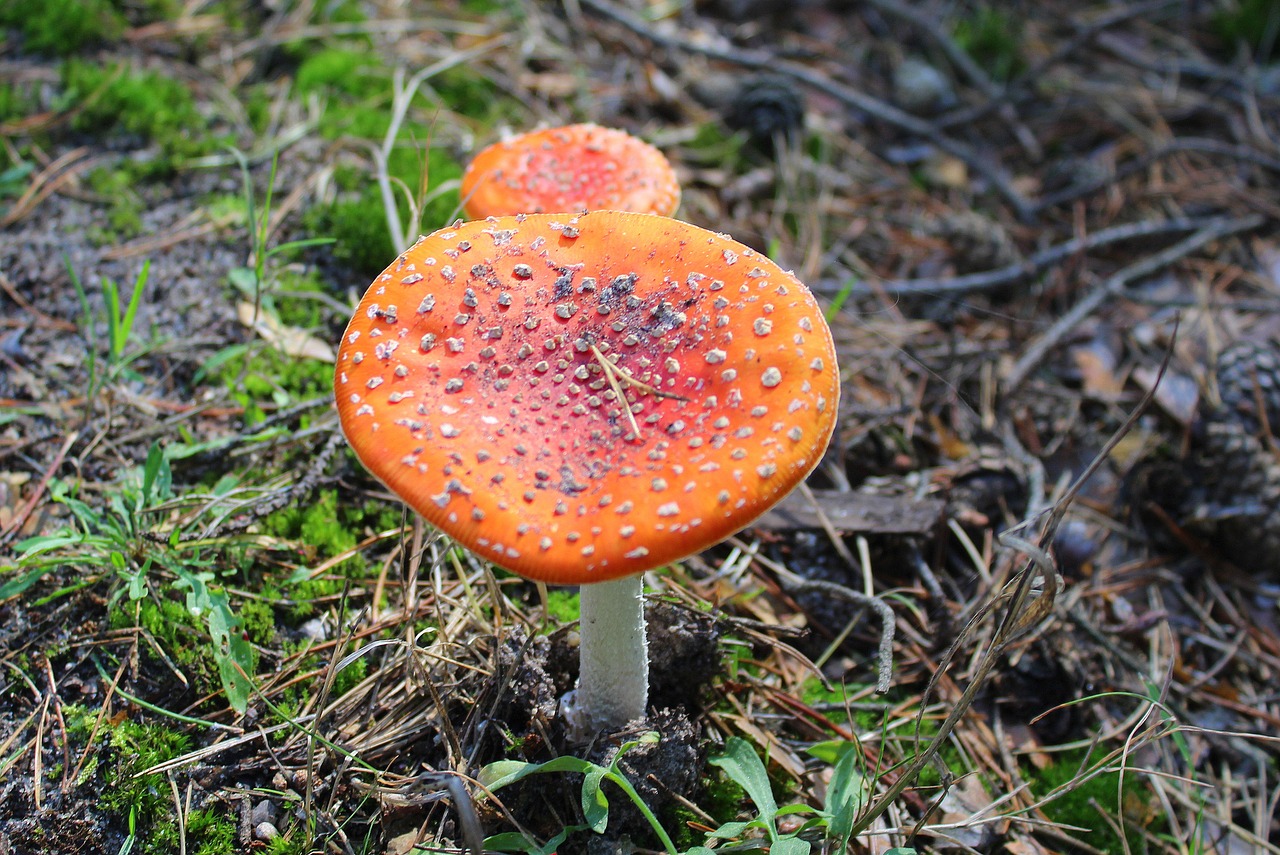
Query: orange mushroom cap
point(472, 381)
point(573, 168)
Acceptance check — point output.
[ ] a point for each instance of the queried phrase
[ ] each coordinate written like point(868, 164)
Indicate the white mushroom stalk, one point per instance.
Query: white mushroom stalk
point(613, 681)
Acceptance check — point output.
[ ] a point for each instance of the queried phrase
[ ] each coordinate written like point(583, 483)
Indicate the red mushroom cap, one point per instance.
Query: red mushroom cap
point(573, 168)
point(481, 376)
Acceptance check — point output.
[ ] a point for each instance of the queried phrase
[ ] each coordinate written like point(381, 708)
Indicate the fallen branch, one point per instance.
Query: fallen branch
point(1117, 282)
point(991, 279)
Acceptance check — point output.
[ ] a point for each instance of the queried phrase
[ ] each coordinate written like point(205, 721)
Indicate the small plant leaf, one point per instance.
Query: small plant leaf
point(509, 841)
point(499, 774)
point(845, 796)
point(790, 846)
point(125, 326)
point(18, 585)
point(232, 650)
point(595, 804)
point(514, 841)
point(244, 279)
point(111, 297)
point(730, 830)
point(34, 546)
point(741, 763)
point(791, 810)
point(156, 477)
point(292, 245)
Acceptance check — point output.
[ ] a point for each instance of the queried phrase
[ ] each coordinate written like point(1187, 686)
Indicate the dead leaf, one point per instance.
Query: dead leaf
point(1098, 371)
point(290, 341)
point(944, 170)
point(1177, 394)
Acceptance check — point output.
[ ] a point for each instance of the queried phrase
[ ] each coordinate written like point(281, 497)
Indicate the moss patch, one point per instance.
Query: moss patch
point(155, 107)
point(1083, 806)
point(144, 802)
point(123, 207)
point(357, 220)
point(62, 27)
point(354, 73)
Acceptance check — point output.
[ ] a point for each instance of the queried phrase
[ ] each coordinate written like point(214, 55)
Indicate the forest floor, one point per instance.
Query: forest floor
point(1045, 237)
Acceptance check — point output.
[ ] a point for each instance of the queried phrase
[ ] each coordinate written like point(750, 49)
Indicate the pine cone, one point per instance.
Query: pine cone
point(1242, 496)
point(1249, 372)
point(1237, 466)
point(767, 108)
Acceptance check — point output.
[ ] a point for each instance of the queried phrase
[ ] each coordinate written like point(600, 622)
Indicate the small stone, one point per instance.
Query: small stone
point(264, 812)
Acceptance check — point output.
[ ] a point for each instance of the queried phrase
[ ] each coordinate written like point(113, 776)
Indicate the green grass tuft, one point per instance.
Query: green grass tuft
point(124, 207)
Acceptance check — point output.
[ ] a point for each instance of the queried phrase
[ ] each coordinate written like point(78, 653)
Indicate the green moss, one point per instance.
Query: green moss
point(144, 800)
point(722, 797)
point(1081, 805)
point(327, 528)
point(177, 634)
point(124, 206)
point(17, 102)
point(443, 208)
point(62, 27)
point(359, 228)
point(357, 221)
point(268, 376)
point(287, 846)
point(1252, 23)
point(468, 92)
point(212, 833)
point(154, 106)
point(351, 676)
point(354, 73)
point(562, 605)
point(993, 38)
point(258, 620)
point(298, 311)
point(316, 524)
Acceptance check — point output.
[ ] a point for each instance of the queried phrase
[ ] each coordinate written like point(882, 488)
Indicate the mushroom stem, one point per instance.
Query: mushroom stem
point(613, 681)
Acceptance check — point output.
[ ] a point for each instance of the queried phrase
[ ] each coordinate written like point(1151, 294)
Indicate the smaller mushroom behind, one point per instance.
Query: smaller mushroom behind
point(572, 168)
point(580, 399)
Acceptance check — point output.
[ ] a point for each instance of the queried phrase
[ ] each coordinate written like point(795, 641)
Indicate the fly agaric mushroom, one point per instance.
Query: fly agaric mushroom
point(580, 399)
point(573, 168)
